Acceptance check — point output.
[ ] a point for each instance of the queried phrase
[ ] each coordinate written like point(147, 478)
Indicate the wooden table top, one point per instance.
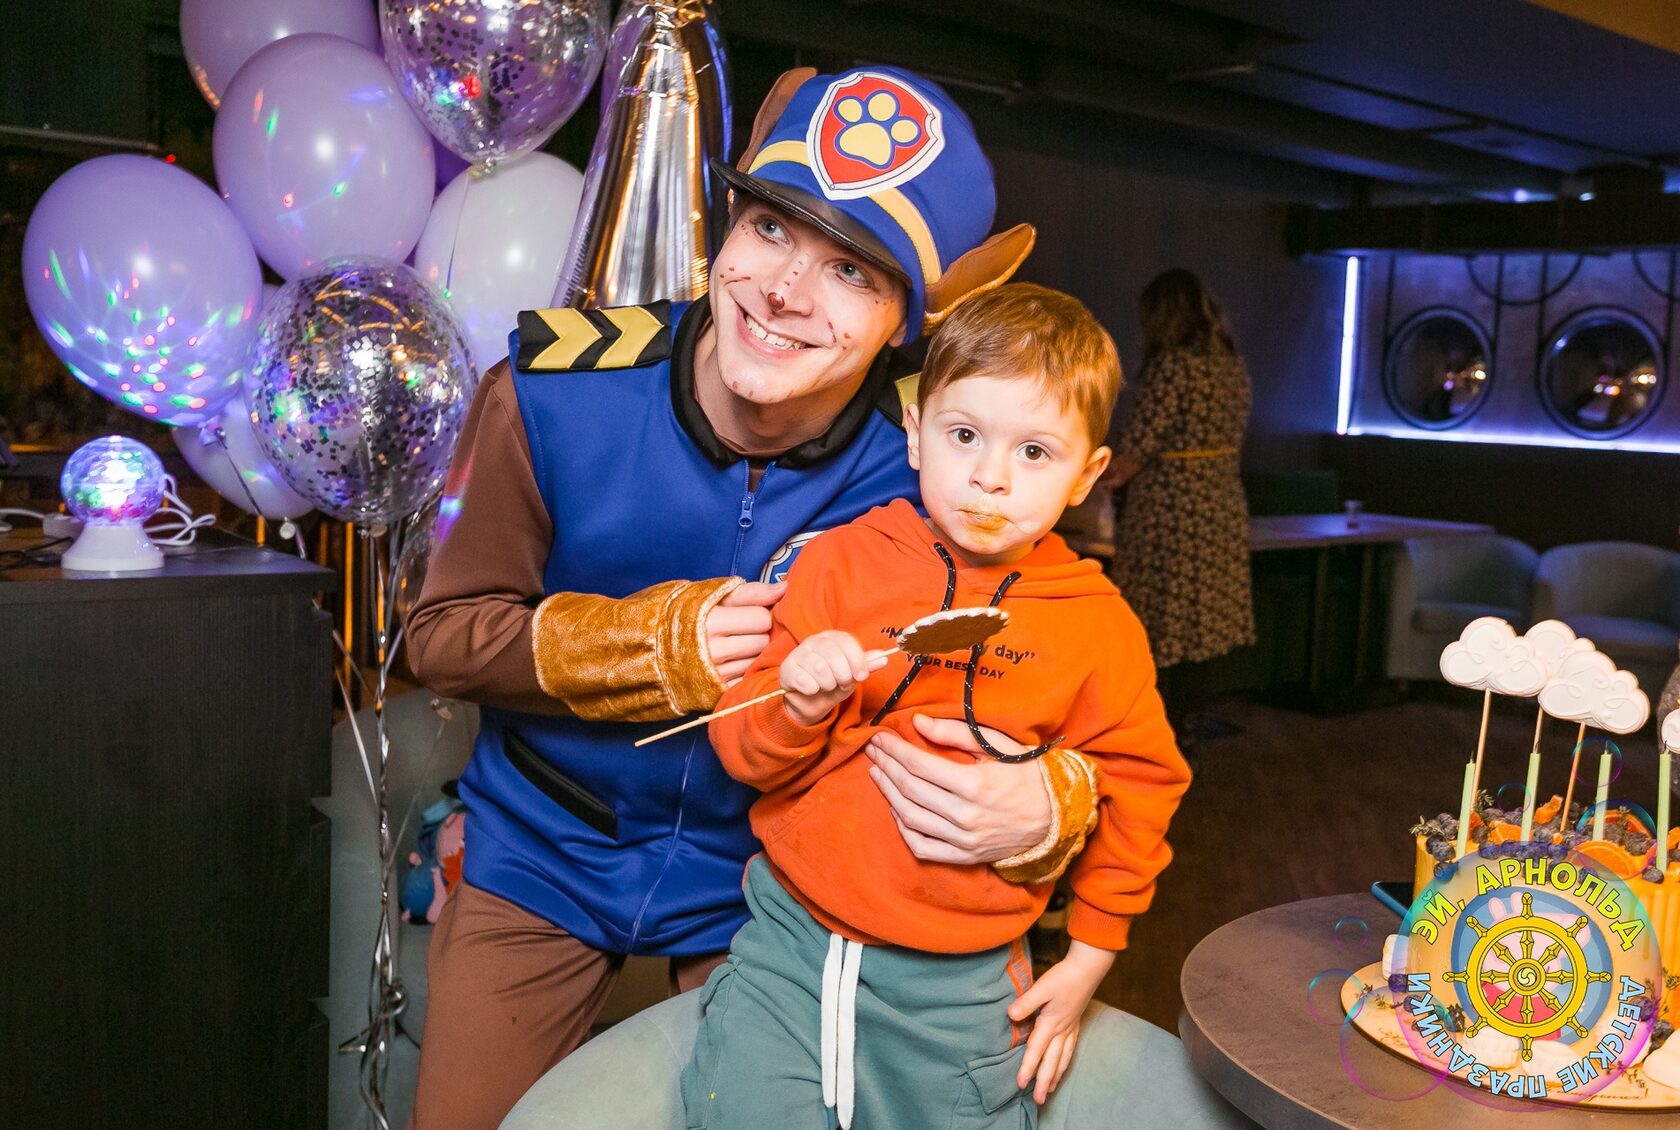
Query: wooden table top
point(1316, 531)
point(1263, 1024)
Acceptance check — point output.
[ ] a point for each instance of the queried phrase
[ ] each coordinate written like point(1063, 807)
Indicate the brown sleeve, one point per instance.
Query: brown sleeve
point(469, 634)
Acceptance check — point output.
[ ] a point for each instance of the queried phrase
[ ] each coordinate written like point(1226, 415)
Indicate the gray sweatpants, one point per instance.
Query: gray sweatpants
point(934, 1043)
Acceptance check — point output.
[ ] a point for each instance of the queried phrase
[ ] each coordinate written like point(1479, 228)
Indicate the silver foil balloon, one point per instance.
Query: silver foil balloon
point(653, 211)
point(358, 383)
point(493, 78)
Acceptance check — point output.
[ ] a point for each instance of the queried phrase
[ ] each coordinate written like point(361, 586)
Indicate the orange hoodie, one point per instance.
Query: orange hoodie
point(1073, 663)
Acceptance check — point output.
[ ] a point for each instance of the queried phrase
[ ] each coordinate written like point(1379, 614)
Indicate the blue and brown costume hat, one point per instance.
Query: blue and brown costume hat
point(884, 162)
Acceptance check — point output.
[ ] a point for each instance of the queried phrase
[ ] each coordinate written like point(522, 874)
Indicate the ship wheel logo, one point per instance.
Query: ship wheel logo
point(1521, 992)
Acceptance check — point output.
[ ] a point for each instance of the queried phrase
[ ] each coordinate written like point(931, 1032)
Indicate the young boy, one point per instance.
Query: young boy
point(893, 990)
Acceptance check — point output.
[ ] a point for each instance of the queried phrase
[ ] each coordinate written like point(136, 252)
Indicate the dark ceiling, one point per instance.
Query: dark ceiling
point(1331, 101)
point(1448, 98)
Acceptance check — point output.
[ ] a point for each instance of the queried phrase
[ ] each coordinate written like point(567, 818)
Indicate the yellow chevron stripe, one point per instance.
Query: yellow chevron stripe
point(573, 334)
point(893, 202)
point(637, 327)
point(906, 387)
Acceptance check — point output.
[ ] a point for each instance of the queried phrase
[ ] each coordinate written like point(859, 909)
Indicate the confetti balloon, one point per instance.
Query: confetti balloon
point(144, 285)
point(217, 36)
point(359, 383)
point(319, 156)
point(494, 78)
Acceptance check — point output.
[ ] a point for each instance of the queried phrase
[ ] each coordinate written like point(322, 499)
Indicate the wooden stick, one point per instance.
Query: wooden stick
point(1481, 744)
point(869, 658)
point(1569, 792)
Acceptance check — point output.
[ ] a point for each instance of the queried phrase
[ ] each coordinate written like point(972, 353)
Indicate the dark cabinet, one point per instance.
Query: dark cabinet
point(163, 906)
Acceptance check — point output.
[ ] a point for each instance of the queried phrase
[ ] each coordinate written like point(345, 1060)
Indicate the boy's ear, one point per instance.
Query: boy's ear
point(1094, 467)
point(912, 436)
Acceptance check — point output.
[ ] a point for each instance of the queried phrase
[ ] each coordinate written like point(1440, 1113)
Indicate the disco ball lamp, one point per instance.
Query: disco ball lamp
point(113, 484)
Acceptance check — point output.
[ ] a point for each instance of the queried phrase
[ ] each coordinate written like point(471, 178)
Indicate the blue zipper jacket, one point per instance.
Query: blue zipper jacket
point(642, 850)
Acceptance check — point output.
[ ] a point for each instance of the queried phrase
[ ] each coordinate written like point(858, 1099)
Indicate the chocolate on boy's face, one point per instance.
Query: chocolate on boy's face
point(999, 460)
point(796, 314)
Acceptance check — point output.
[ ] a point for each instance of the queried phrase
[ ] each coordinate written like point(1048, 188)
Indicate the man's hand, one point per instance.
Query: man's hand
point(822, 672)
point(738, 627)
point(1059, 997)
point(950, 812)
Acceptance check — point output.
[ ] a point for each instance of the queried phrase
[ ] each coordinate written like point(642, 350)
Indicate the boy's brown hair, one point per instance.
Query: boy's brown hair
point(1030, 331)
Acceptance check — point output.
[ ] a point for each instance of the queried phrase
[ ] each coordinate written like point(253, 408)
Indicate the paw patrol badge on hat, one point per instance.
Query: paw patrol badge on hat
point(872, 131)
point(884, 162)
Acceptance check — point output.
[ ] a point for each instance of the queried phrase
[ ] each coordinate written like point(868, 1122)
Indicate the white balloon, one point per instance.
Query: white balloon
point(226, 454)
point(495, 242)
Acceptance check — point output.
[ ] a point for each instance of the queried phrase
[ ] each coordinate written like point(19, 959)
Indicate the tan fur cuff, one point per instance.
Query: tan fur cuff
point(691, 683)
point(1071, 780)
point(641, 658)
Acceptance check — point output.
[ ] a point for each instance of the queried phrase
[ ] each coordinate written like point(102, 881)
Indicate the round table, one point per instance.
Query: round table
point(1263, 1024)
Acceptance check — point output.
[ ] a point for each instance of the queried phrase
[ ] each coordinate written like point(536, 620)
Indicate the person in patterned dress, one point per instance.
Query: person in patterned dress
point(1182, 553)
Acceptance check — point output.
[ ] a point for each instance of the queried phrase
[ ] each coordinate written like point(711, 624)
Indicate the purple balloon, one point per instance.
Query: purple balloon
point(493, 79)
point(319, 156)
point(217, 36)
point(144, 285)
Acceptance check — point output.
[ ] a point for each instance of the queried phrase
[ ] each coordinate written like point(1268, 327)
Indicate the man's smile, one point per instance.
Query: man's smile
point(774, 340)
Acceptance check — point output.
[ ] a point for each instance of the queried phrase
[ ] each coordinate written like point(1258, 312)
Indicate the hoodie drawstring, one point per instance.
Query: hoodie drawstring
point(968, 696)
point(917, 662)
point(839, 1026)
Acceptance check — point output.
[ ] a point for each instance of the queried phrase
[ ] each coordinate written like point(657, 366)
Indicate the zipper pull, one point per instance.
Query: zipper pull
point(746, 512)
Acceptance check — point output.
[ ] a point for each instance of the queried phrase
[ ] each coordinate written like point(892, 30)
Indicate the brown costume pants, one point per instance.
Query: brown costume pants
point(511, 995)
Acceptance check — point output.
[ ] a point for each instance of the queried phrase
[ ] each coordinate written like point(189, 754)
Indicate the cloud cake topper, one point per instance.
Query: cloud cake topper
point(1489, 656)
point(1556, 642)
point(1589, 689)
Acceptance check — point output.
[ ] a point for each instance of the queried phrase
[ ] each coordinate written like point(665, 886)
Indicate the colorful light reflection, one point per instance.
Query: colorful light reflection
point(112, 480)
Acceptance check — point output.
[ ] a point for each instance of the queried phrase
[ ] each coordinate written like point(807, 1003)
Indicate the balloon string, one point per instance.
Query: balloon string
point(386, 998)
point(455, 239)
point(221, 442)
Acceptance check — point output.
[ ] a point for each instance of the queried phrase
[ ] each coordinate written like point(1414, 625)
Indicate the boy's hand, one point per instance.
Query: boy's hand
point(822, 672)
point(1059, 998)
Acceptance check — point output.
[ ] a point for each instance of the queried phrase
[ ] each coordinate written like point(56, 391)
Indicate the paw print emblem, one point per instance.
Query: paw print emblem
point(875, 130)
point(870, 132)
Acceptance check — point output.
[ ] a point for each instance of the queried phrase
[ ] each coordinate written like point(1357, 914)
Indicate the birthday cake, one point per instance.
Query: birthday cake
point(1523, 916)
point(1628, 851)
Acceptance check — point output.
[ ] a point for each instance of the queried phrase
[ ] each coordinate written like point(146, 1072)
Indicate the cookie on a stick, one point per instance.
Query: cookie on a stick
point(937, 633)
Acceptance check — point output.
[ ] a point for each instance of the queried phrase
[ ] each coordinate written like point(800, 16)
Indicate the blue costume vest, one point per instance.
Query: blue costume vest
point(644, 850)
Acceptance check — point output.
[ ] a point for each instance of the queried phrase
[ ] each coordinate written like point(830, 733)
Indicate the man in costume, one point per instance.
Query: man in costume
point(622, 502)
